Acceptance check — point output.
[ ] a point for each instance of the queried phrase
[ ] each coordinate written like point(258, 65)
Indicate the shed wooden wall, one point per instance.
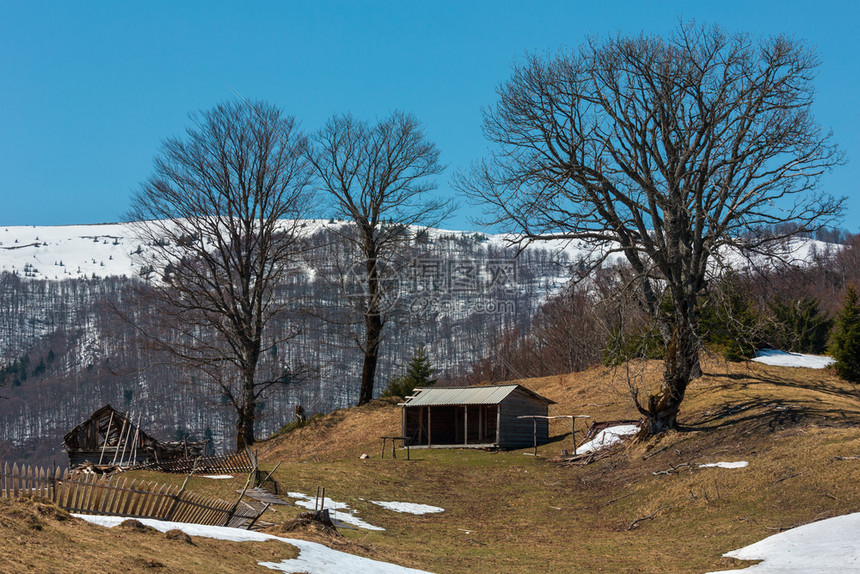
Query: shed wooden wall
point(448, 423)
point(519, 433)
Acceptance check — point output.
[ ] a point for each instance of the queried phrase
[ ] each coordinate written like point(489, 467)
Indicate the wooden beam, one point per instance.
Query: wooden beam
point(107, 434)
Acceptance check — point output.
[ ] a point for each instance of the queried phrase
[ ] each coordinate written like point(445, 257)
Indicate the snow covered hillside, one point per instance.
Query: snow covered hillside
point(104, 250)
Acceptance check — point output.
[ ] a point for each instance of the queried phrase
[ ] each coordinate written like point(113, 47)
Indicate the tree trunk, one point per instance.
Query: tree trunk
point(681, 365)
point(371, 356)
point(372, 319)
point(247, 413)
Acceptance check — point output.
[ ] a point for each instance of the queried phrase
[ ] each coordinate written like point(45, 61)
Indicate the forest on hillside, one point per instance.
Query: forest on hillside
point(64, 351)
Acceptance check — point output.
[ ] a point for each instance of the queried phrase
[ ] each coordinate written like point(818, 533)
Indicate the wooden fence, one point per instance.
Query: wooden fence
point(237, 462)
point(117, 496)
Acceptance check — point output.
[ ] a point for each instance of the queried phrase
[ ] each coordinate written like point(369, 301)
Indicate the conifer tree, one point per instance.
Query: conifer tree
point(801, 326)
point(419, 373)
point(845, 347)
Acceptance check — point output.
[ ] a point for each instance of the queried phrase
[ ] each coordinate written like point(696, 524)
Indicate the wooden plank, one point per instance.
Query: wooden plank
point(85, 490)
point(110, 498)
point(103, 493)
point(129, 498)
point(15, 479)
point(163, 502)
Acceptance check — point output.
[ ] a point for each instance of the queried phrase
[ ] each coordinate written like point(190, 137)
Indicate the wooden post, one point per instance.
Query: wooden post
point(429, 428)
point(271, 473)
point(534, 423)
point(250, 524)
point(107, 434)
point(465, 424)
point(178, 495)
point(236, 506)
point(125, 440)
point(134, 443)
point(420, 425)
point(119, 440)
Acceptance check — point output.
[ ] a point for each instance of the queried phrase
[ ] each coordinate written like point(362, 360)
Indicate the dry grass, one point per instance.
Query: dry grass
point(39, 537)
point(508, 512)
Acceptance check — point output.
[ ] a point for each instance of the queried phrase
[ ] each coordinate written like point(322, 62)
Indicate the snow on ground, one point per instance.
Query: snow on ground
point(786, 359)
point(337, 510)
point(607, 437)
point(738, 464)
point(217, 476)
point(831, 545)
point(409, 507)
point(313, 558)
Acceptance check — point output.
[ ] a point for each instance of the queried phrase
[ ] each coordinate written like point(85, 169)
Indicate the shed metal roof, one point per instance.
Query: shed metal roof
point(483, 395)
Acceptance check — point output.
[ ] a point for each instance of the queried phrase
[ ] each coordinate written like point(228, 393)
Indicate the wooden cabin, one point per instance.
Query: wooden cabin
point(477, 417)
point(110, 437)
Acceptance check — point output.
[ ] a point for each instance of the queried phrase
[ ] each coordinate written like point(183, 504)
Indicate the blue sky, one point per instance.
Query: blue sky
point(89, 90)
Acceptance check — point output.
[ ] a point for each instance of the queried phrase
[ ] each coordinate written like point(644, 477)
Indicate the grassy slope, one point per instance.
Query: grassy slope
point(508, 512)
point(38, 537)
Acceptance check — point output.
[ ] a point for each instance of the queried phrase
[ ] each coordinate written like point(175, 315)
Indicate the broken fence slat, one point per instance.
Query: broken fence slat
point(96, 494)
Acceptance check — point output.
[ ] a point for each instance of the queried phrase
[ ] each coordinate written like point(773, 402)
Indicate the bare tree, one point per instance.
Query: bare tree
point(221, 216)
point(377, 177)
point(672, 151)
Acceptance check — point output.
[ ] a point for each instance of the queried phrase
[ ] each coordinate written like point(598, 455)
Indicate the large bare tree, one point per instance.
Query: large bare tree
point(221, 217)
point(377, 177)
point(672, 151)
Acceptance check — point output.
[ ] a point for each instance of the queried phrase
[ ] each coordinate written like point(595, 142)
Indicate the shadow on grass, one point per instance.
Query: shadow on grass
point(787, 402)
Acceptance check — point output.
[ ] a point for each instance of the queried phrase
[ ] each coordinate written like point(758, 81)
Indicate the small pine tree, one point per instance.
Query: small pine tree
point(845, 347)
point(800, 327)
point(728, 322)
point(419, 373)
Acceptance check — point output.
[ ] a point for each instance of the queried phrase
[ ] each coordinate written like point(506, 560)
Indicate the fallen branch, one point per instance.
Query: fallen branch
point(659, 450)
point(787, 477)
point(671, 469)
point(616, 500)
point(845, 458)
point(638, 520)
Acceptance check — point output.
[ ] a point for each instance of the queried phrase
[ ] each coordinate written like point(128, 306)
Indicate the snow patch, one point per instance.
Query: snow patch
point(313, 558)
point(830, 545)
point(217, 476)
point(738, 464)
point(786, 359)
point(337, 510)
point(607, 437)
point(408, 507)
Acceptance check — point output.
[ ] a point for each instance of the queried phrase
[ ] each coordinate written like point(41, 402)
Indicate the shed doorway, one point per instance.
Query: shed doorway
point(445, 426)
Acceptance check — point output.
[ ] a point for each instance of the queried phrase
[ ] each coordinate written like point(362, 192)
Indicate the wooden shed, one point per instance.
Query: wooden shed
point(478, 417)
point(111, 437)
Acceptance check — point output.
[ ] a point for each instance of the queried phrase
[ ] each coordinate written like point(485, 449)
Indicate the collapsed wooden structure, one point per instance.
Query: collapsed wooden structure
point(475, 417)
point(117, 496)
point(110, 437)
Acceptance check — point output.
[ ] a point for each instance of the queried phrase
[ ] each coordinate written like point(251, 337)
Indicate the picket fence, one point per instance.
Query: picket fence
point(229, 463)
point(117, 496)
